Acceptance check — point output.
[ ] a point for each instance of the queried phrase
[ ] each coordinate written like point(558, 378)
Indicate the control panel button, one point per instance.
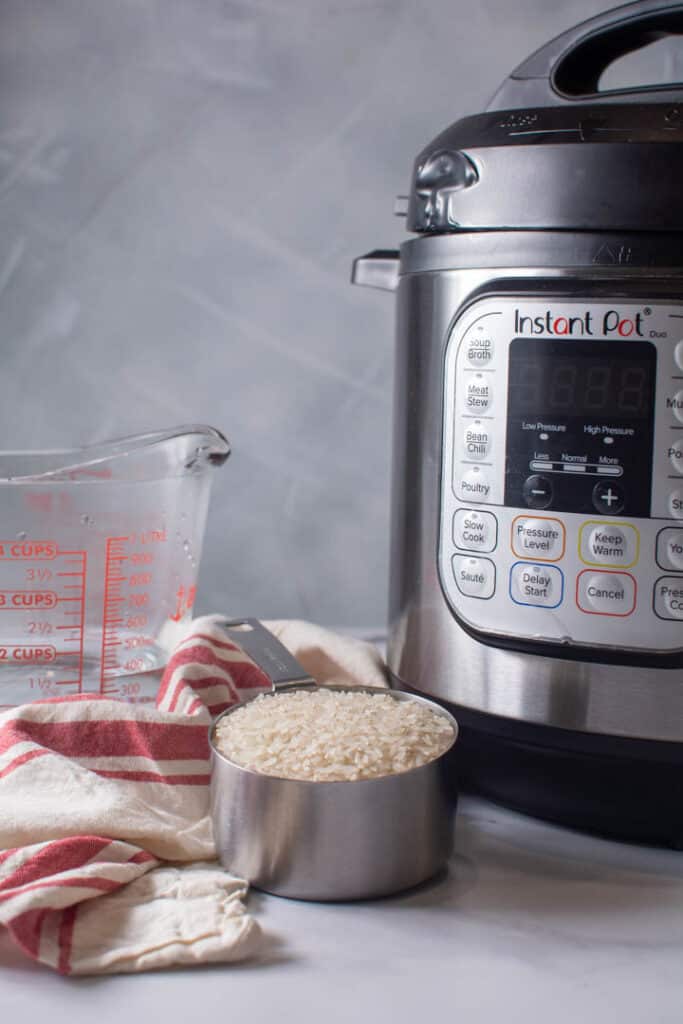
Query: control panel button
point(675, 453)
point(476, 440)
point(478, 347)
point(678, 355)
point(606, 543)
point(675, 404)
point(474, 530)
point(541, 586)
point(670, 548)
point(668, 597)
point(474, 485)
point(537, 491)
point(478, 393)
point(474, 577)
point(606, 593)
point(608, 498)
point(540, 537)
point(676, 503)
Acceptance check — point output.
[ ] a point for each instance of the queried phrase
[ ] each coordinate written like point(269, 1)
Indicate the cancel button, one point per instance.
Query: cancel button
point(606, 593)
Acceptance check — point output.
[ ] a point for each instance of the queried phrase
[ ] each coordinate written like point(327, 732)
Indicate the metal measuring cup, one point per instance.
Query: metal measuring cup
point(327, 840)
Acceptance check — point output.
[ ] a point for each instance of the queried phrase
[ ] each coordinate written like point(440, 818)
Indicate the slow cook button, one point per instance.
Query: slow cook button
point(606, 593)
point(474, 530)
point(474, 577)
point(676, 503)
point(478, 392)
point(668, 597)
point(605, 543)
point(540, 586)
point(479, 347)
point(474, 485)
point(670, 548)
point(476, 440)
point(538, 537)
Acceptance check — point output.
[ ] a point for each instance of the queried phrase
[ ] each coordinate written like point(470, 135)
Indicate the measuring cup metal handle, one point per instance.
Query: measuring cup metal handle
point(272, 657)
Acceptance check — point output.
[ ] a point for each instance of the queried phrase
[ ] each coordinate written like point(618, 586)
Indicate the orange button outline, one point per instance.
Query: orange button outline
point(607, 572)
point(525, 554)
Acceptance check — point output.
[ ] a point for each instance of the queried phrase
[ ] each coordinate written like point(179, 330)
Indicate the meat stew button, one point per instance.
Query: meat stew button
point(668, 597)
point(474, 577)
point(606, 593)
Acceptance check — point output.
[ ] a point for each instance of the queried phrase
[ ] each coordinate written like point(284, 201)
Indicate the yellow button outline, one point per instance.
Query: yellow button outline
point(610, 522)
point(524, 554)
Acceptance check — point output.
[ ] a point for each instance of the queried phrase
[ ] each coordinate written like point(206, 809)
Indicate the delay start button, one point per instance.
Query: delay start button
point(606, 593)
point(474, 577)
point(541, 586)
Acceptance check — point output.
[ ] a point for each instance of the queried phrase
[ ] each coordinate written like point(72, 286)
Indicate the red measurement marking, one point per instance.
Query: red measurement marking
point(112, 597)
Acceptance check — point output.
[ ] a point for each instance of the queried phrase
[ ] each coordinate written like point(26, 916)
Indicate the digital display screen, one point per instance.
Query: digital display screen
point(590, 380)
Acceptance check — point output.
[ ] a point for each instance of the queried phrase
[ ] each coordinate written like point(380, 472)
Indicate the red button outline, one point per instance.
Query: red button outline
point(607, 572)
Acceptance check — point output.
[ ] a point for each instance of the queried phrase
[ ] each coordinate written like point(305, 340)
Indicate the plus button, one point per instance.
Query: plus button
point(608, 498)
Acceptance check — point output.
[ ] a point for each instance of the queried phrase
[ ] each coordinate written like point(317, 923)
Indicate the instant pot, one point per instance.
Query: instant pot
point(537, 535)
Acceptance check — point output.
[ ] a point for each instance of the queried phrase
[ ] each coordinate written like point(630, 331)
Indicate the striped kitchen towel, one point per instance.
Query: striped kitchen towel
point(107, 858)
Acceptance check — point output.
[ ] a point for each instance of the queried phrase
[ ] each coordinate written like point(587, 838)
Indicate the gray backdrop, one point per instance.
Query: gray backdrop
point(183, 186)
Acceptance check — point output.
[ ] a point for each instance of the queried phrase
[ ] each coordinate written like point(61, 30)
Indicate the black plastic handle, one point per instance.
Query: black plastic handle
point(568, 68)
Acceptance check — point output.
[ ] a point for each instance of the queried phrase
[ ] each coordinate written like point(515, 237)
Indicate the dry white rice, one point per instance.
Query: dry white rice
point(332, 735)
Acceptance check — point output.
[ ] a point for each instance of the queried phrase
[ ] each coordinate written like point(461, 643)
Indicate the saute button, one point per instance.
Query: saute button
point(668, 597)
point(474, 485)
point(474, 531)
point(476, 440)
point(474, 577)
point(478, 393)
point(606, 593)
point(605, 543)
point(537, 491)
point(541, 586)
point(675, 453)
point(608, 498)
point(670, 548)
point(542, 537)
point(479, 347)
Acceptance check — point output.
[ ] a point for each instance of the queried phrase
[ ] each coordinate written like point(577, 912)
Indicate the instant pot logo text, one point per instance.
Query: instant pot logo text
point(611, 323)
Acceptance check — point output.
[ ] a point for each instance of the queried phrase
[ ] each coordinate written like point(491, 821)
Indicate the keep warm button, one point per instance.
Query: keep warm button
point(606, 593)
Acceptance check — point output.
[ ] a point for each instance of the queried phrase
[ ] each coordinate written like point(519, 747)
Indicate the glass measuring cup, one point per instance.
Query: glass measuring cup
point(99, 551)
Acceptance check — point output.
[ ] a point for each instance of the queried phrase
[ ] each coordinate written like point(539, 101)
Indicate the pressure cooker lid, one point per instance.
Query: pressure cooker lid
point(553, 151)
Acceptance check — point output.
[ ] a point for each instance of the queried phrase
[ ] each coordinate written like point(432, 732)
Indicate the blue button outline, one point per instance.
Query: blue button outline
point(530, 604)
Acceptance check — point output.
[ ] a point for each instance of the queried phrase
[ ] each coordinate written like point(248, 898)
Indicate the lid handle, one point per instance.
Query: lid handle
point(568, 68)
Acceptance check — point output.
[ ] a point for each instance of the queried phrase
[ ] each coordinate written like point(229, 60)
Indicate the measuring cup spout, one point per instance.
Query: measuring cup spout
point(153, 456)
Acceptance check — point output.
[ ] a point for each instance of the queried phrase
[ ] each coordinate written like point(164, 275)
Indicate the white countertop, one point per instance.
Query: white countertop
point(532, 923)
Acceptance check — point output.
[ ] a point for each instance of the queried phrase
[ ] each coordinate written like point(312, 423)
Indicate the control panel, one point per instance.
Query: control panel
point(562, 472)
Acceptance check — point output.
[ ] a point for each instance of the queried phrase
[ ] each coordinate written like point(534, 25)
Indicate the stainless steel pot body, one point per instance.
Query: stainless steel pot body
point(429, 650)
point(333, 840)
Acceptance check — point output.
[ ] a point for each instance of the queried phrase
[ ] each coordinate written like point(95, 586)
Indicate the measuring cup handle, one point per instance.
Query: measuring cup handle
point(568, 68)
point(268, 653)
